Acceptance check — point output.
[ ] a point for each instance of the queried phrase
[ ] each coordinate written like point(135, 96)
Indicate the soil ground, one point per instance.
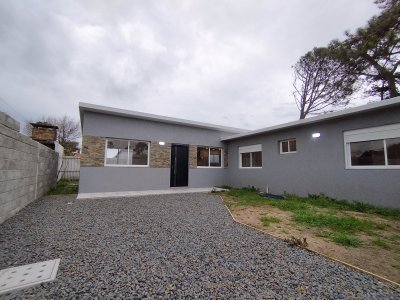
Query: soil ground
point(383, 261)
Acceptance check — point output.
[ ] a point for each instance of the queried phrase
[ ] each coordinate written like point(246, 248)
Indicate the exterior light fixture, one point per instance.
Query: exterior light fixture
point(316, 135)
point(161, 143)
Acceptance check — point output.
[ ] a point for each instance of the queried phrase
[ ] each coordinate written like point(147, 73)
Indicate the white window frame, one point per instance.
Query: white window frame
point(370, 134)
point(249, 149)
point(209, 154)
point(129, 143)
point(287, 141)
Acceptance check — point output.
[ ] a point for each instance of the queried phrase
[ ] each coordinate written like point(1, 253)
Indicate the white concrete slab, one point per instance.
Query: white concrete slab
point(21, 277)
point(145, 193)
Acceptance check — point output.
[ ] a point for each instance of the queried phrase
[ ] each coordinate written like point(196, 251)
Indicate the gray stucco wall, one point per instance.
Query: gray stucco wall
point(319, 164)
point(27, 169)
point(112, 179)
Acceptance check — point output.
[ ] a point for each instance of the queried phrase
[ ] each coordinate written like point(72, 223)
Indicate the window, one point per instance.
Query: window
point(377, 147)
point(209, 157)
point(127, 153)
point(288, 146)
point(250, 156)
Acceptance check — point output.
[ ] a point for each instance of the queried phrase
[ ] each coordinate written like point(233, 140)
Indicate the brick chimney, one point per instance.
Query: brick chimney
point(44, 133)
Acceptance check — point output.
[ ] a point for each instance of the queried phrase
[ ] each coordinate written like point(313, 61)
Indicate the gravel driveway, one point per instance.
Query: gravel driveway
point(172, 246)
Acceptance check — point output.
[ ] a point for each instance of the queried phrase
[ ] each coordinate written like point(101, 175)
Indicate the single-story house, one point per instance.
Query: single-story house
point(352, 154)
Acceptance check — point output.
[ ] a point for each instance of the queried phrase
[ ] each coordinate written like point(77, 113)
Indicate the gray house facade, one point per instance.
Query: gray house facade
point(353, 154)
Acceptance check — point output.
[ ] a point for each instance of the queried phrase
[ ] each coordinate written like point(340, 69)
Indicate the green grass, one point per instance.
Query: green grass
point(331, 222)
point(249, 197)
point(345, 239)
point(340, 238)
point(346, 224)
point(266, 220)
point(380, 243)
point(65, 187)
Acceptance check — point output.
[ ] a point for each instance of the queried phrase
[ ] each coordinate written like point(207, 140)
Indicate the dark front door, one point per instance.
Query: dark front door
point(179, 165)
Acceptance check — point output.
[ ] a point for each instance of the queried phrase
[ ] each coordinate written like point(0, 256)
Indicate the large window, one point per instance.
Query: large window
point(288, 146)
point(209, 156)
point(377, 147)
point(250, 156)
point(127, 153)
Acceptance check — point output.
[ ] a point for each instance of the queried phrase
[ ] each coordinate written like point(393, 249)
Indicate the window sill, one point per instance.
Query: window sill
point(250, 168)
point(128, 166)
point(203, 167)
point(372, 167)
point(290, 152)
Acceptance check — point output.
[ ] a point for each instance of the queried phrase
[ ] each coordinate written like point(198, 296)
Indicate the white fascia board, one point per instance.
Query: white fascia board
point(83, 107)
point(329, 116)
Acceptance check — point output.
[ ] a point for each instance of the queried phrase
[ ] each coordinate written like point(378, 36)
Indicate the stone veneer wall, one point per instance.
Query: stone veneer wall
point(192, 156)
point(160, 156)
point(28, 169)
point(93, 151)
point(225, 157)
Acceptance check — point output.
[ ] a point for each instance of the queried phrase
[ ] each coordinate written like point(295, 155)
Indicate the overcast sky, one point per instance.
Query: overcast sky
point(222, 62)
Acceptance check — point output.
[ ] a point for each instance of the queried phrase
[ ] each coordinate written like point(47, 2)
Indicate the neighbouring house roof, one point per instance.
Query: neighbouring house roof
point(321, 118)
point(88, 107)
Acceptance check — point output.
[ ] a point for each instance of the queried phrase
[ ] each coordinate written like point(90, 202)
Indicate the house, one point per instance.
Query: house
point(352, 154)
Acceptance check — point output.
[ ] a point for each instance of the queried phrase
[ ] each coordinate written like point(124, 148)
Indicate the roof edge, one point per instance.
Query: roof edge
point(324, 117)
point(84, 106)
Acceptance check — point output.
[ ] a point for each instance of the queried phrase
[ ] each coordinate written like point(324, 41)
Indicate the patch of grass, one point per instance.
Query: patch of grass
point(345, 239)
point(340, 238)
point(65, 187)
point(347, 224)
point(248, 196)
point(266, 220)
point(380, 243)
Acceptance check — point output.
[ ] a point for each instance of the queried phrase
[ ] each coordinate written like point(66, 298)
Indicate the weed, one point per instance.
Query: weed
point(299, 242)
point(65, 187)
point(345, 239)
point(380, 243)
point(266, 220)
point(347, 224)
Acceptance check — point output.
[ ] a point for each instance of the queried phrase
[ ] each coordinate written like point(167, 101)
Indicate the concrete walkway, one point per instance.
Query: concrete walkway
point(177, 190)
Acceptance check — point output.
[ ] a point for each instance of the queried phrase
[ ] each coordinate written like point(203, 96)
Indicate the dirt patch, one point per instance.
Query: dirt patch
point(373, 258)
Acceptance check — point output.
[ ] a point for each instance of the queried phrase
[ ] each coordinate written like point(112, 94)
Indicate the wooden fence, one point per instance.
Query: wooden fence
point(70, 168)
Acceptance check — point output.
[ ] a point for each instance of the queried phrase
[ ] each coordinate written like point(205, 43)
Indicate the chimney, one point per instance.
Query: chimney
point(44, 133)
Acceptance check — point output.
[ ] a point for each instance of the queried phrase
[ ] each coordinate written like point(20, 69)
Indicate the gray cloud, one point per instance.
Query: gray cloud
point(224, 62)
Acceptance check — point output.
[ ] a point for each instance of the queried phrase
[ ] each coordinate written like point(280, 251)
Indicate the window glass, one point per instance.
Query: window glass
point(117, 152)
point(139, 153)
point(256, 159)
point(285, 147)
point(393, 151)
point(292, 145)
point(202, 156)
point(369, 153)
point(245, 160)
point(215, 157)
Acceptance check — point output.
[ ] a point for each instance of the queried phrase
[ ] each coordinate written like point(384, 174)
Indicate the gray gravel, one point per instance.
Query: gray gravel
point(171, 246)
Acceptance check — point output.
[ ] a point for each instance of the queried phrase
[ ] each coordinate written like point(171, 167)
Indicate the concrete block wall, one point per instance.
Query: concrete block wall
point(28, 169)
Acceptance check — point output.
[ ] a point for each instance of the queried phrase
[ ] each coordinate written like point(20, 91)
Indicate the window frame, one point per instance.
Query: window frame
point(250, 149)
point(209, 155)
point(288, 142)
point(370, 134)
point(129, 144)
